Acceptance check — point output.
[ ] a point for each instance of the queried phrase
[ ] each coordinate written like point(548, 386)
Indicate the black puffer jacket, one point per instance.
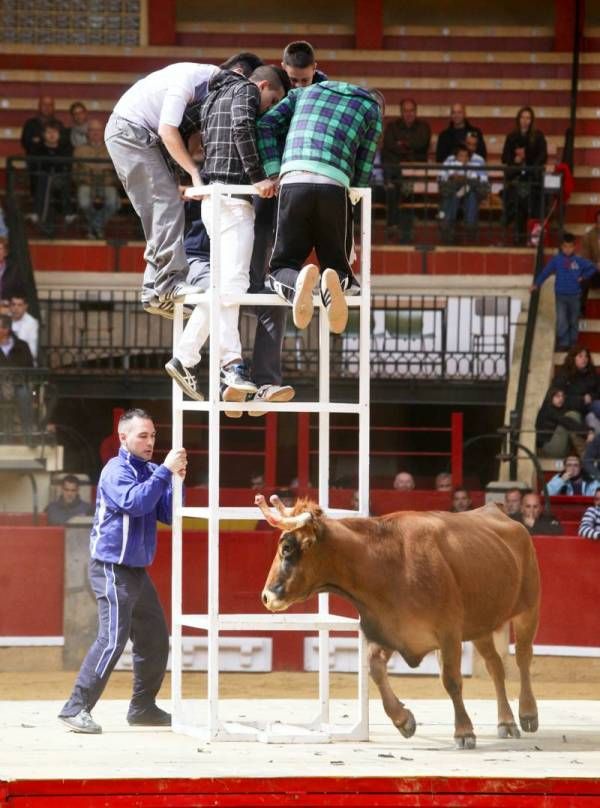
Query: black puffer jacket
point(583, 382)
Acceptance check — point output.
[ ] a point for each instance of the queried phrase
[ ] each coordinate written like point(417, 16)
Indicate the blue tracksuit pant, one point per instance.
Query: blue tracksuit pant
point(128, 607)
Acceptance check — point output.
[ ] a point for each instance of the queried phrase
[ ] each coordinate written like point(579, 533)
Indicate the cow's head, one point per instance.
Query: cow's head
point(294, 573)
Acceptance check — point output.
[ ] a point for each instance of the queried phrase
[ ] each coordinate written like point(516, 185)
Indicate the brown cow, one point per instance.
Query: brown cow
point(420, 581)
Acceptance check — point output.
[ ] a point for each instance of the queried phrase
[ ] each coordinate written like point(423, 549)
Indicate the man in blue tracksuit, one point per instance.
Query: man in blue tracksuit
point(571, 271)
point(133, 494)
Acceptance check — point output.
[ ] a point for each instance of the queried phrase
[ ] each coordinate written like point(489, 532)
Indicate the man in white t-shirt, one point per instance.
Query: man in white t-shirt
point(149, 113)
point(24, 325)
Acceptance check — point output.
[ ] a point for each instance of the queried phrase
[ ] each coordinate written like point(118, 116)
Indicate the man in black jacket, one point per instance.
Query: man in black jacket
point(457, 132)
point(15, 355)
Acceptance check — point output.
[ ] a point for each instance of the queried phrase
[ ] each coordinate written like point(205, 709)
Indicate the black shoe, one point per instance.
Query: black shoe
point(82, 722)
point(350, 286)
point(151, 717)
point(238, 377)
point(186, 378)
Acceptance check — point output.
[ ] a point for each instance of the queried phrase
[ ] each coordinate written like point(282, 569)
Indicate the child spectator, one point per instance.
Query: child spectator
point(300, 64)
point(557, 427)
point(463, 184)
point(589, 527)
point(573, 481)
point(571, 270)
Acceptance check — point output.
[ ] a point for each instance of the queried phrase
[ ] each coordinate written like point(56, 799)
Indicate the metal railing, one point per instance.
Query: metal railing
point(423, 204)
point(434, 204)
point(427, 337)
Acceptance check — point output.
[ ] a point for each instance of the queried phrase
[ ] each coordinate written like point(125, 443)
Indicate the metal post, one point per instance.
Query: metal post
point(456, 448)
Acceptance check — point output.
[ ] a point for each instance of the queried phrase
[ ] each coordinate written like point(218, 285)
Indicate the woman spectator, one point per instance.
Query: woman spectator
point(525, 153)
point(557, 427)
point(578, 378)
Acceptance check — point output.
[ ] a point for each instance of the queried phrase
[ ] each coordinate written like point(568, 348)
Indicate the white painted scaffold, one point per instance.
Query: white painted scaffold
point(210, 726)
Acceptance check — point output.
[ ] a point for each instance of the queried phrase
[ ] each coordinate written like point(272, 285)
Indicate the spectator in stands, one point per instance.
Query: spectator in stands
point(570, 270)
point(461, 501)
point(69, 504)
point(590, 243)
point(15, 355)
point(463, 184)
point(573, 481)
point(578, 378)
point(257, 481)
point(24, 325)
point(591, 458)
point(557, 428)
point(3, 227)
point(33, 128)
point(535, 521)
point(9, 277)
point(405, 140)
point(300, 64)
point(525, 153)
point(443, 481)
point(53, 180)
point(589, 527)
point(404, 481)
point(512, 502)
point(456, 133)
point(5, 306)
point(78, 133)
point(97, 193)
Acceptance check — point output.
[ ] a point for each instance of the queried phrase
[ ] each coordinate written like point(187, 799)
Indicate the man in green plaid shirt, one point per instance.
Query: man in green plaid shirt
point(330, 131)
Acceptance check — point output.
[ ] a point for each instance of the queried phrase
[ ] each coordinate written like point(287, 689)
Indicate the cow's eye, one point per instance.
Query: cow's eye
point(287, 548)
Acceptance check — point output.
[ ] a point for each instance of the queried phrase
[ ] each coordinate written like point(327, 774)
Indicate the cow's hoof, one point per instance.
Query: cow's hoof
point(529, 723)
point(408, 728)
point(465, 741)
point(508, 730)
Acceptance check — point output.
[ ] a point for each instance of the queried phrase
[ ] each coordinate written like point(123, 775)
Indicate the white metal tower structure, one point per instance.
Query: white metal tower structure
point(211, 725)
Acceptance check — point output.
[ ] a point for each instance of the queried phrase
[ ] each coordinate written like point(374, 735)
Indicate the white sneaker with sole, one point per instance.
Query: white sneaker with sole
point(272, 393)
point(303, 305)
point(231, 394)
point(334, 300)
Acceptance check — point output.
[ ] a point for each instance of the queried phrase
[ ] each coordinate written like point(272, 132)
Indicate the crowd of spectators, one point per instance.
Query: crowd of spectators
point(75, 183)
point(463, 182)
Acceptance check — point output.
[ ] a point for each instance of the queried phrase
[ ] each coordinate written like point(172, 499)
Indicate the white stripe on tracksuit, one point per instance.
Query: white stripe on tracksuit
point(110, 591)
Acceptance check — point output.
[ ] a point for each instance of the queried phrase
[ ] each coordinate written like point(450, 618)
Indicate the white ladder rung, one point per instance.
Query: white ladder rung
point(311, 621)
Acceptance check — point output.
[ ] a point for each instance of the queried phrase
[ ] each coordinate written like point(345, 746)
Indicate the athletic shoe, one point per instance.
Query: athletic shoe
point(82, 722)
point(334, 300)
point(165, 309)
point(179, 291)
point(186, 378)
point(350, 286)
point(303, 305)
point(274, 393)
point(238, 377)
point(151, 717)
point(231, 394)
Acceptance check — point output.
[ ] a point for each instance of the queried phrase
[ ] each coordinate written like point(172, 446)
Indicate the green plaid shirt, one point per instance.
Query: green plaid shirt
point(330, 128)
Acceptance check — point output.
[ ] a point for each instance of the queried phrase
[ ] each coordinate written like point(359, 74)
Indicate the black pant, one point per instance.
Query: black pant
point(312, 215)
point(128, 607)
point(271, 320)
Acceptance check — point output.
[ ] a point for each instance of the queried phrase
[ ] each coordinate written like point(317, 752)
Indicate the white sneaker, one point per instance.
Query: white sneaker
point(334, 300)
point(231, 394)
point(274, 393)
point(303, 305)
point(165, 309)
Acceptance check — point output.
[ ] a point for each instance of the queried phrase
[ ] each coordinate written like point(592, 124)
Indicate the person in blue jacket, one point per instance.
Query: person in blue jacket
point(133, 495)
point(573, 480)
point(571, 271)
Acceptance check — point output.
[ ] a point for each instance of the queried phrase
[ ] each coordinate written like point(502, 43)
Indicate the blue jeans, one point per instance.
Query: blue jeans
point(470, 204)
point(567, 319)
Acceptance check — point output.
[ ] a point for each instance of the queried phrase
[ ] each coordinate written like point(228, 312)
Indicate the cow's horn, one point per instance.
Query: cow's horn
point(279, 520)
point(280, 506)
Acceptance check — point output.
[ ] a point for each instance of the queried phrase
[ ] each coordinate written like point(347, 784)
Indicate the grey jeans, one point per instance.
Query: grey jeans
point(154, 195)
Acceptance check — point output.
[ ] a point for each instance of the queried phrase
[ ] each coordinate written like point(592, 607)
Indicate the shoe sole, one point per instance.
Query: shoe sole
point(303, 306)
point(168, 313)
point(231, 394)
point(182, 383)
point(281, 396)
point(337, 311)
point(82, 731)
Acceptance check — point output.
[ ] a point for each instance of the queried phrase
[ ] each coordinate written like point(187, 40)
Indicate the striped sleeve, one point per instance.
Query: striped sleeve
point(589, 526)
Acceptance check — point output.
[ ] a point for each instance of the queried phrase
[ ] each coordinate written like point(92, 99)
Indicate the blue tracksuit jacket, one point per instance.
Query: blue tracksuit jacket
point(569, 269)
point(132, 496)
